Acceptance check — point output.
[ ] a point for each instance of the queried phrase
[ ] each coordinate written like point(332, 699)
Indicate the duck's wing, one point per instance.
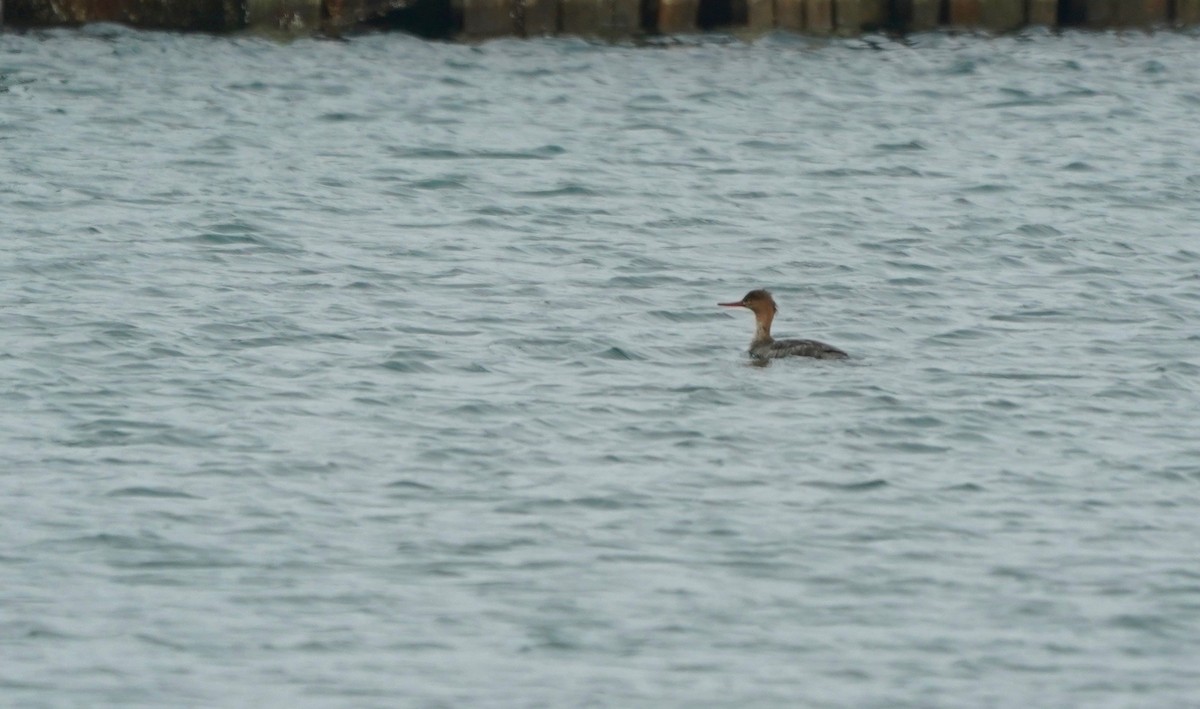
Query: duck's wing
point(804, 348)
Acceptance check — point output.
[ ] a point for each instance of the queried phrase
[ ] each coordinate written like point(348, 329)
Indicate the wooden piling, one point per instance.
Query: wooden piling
point(1126, 13)
point(678, 16)
point(600, 18)
point(195, 15)
point(537, 18)
point(582, 17)
point(1071, 13)
point(818, 16)
point(283, 15)
point(1043, 12)
point(626, 17)
point(789, 15)
point(1002, 15)
point(1102, 13)
point(923, 15)
point(488, 18)
point(874, 14)
point(1143, 13)
point(478, 19)
point(1157, 12)
point(341, 14)
point(991, 15)
point(760, 15)
point(849, 16)
point(1187, 12)
point(965, 13)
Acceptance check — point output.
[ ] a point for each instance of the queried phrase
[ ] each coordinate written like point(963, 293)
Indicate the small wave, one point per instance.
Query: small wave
point(440, 183)
point(1026, 376)
point(543, 152)
point(150, 492)
point(683, 315)
point(343, 117)
point(407, 366)
point(915, 447)
point(862, 486)
point(619, 353)
point(592, 502)
point(564, 191)
point(220, 239)
point(1024, 315)
point(920, 421)
point(912, 145)
point(1038, 230)
point(661, 128)
point(965, 487)
point(407, 484)
point(963, 333)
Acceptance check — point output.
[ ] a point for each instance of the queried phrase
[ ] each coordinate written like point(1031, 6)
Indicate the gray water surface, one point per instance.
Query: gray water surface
point(389, 373)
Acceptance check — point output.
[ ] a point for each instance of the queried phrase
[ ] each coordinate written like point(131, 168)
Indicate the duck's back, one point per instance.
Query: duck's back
point(796, 348)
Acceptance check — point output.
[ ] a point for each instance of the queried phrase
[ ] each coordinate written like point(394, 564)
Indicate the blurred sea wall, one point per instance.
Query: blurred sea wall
point(613, 19)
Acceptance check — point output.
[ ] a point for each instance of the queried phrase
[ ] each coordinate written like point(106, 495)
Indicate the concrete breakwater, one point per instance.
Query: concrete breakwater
point(480, 19)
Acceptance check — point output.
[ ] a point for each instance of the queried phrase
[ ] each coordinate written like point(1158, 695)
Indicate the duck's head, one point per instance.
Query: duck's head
point(759, 301)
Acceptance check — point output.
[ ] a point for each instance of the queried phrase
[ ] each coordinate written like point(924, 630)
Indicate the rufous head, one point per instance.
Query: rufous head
point(760, 301)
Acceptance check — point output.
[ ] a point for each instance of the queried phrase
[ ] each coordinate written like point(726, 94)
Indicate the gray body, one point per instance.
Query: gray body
point(771, 348)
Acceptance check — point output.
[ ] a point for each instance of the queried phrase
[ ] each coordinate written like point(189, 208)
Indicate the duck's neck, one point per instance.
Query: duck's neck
point(762, 328)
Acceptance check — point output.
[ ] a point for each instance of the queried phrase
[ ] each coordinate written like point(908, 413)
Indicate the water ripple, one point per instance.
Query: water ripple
point(386, 372)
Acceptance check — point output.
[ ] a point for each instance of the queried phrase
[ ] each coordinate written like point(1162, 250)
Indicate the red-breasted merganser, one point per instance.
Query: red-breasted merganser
point(763, 346)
